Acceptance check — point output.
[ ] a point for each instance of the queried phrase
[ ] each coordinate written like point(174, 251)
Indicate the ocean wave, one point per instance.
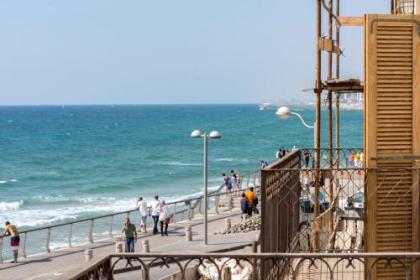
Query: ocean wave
point(178, 163)
point(232, 159)
point(8, 206)
point(70, 199)
point(42, 216)
point(7, 181)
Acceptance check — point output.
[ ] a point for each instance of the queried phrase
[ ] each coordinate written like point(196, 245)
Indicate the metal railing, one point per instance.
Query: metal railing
point(344, 194)
point(179, 210)
point(341, 158)
point(330, 266)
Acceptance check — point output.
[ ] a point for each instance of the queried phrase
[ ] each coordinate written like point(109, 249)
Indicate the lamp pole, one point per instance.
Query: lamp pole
point(212, 135)
point(205, 137)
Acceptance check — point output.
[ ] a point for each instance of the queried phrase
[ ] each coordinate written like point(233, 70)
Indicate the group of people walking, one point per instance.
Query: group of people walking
point(158, 210)
point(232, 182)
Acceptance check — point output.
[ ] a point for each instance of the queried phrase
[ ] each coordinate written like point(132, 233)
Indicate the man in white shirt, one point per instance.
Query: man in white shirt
point(142, 205)
point(155, 205)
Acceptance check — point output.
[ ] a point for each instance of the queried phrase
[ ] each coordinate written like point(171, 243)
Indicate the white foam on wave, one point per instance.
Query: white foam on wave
point(179, 163)
point(231, 160)
point(8, 206)
point(7, 181)
point(41, 215)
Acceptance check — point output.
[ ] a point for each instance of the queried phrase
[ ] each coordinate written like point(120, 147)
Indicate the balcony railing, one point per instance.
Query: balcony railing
point(180, 210)
point(331, 266)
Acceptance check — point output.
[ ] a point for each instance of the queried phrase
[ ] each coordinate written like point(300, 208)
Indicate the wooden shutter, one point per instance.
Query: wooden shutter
point(392, 134)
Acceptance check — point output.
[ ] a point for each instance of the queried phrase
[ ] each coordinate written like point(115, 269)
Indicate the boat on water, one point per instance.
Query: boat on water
point(265, 107)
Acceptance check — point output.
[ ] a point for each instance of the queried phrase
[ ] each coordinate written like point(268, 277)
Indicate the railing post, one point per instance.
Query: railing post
point(216, 203)
point(227, 273)
point(90, 236)
point(175, 212)
point(1, 249)
point(190, 211)
point(24, 246)
point(47, 241)
point(70, 234)
point(111, 227)
point(200, 206)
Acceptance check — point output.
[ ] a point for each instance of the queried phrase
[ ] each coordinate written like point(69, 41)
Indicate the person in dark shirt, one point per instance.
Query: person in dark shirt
point(245, 206)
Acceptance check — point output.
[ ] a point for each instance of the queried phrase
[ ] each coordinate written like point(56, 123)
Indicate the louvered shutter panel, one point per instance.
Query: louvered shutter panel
point(392, 112)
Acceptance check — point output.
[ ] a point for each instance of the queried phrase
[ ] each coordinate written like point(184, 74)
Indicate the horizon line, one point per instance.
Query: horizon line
point(145, 104)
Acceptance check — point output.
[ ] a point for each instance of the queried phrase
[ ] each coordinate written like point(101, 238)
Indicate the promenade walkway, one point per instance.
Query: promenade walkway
point(58, 265)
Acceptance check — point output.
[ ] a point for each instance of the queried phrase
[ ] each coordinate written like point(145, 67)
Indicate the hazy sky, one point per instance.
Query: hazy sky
point(185, 51)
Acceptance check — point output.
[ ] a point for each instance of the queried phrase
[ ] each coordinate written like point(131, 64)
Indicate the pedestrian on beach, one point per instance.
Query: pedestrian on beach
point(144, 212)
point(227, 183)
point(245, 209)
point(130, 234)
point(11, 230)
point(164, 218)
point(155, 205)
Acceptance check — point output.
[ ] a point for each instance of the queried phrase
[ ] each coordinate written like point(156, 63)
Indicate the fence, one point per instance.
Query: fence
point(180, 210)
point(330, 266)
point(340, 158)
point(343, 199)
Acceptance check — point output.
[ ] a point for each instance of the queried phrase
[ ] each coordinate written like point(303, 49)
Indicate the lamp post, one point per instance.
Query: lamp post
point(212, 135)
point(284, 113)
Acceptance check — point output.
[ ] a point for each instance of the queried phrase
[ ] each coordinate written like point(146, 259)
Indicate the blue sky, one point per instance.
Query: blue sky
point(147, 52)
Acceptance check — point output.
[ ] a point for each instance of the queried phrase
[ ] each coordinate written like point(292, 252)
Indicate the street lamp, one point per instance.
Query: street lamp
point(212, 135)
point(284, 113)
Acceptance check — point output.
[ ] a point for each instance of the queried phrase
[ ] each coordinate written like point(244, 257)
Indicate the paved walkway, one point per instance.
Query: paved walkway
point(59, 264)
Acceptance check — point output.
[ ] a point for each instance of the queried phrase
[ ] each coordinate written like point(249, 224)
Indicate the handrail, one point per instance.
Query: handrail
point(332, 265)
point(211, 194)
point(187, 201)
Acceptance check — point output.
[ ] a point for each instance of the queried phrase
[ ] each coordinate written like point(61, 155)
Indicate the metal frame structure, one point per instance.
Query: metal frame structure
point(282, 265)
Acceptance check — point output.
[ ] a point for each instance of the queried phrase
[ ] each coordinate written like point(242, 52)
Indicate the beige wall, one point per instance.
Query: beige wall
point(418, 7)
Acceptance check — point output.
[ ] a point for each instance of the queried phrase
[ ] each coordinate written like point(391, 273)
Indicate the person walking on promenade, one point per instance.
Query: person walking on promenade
point(351, 160)
point(155, 214)
point(142, 205)
point(263, 164)
point(245, 209)
point(11, 230)
point(164, 218)
point(130, 234)
point(227, 183)
point(279, 154)
point(233, 179)
point(252, 200)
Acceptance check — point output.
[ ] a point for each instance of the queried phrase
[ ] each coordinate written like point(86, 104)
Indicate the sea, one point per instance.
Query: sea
point(63, 163)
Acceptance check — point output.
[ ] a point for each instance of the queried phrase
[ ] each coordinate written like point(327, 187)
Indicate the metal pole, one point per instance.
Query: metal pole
point(318, 92)
point(337, 96)
point(205, 188)
point(330, 113)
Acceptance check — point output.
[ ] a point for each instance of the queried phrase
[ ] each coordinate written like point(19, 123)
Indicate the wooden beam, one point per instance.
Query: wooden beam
point(417, 7)
point(328, 45)
point(351, 21)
